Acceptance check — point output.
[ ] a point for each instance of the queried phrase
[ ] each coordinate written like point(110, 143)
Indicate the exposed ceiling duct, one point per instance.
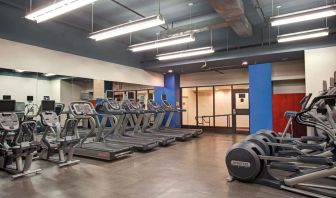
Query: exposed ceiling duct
point(234, 15)
point(247, 52)
point(199, 24)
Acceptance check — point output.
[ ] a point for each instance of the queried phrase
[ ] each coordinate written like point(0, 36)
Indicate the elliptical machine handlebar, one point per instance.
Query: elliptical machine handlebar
point(316, 100)
point(302, 118)
point(305, 100)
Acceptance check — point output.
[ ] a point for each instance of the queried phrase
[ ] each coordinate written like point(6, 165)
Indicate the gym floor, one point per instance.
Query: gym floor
point(194, 169)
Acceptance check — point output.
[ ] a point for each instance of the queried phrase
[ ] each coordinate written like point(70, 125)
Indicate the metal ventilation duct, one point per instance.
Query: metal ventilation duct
point(234, 15)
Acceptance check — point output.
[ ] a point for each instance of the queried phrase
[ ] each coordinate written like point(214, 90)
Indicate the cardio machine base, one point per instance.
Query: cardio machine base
point(100, 154)
point(26, 173)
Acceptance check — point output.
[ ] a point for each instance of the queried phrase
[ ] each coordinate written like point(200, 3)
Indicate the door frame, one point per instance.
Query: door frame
point(236, 111)
point(214, 128)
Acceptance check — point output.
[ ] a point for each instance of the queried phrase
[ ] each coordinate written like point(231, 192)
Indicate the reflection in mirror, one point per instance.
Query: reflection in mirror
point(30, 88)
point(132, 91)
point(76, 89)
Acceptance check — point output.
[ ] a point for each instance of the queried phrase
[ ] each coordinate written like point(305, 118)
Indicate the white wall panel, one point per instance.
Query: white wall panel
point(16, 55)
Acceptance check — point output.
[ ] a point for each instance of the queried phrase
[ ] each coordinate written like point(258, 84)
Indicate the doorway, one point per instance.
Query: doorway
point(240, 111)
point(217, 108)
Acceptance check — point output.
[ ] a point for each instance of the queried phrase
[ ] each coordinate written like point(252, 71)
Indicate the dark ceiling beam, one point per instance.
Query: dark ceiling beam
point(260, 12)
point(248, 52)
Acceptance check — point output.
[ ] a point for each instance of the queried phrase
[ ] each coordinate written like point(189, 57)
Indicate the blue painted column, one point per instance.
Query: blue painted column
point(172, 90)
point(158, 91)
point(260, 77)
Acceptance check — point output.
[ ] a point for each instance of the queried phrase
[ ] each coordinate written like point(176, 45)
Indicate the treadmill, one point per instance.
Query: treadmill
point(167, 107)
point(84, 111)
point(119, 119)
point(154, 107)
point(137, 119)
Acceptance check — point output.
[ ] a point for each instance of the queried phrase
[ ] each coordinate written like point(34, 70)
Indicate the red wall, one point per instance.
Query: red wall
point(93, 102)
point(286, 102)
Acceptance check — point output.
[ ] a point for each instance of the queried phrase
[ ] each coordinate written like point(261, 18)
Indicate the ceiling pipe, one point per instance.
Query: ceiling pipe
point(260, 12)
point(248, 52)
point(200, 24)
point(198, 27)
point(233, 13)
point(133, 11)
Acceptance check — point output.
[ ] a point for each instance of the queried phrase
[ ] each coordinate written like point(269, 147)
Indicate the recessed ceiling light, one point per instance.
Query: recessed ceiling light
point(19, 70)
point(170, 71)
point(244, 63)
point(190, 4)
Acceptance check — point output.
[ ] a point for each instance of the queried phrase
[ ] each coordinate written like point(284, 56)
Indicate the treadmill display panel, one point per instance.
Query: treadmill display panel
point(48, 105)
point(83, 109)
point(30, 98)
point(109, 94)
point(114, 104)
point(6, 97)
point(20, 106)
point(7, 105)
point(164, 97)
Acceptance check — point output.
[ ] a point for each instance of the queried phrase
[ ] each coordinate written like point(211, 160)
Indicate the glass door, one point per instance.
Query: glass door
point(240, 110)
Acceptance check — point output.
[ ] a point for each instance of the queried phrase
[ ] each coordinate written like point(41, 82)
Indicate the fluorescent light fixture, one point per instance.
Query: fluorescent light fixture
point(19, 70)
point(129, 27)
point(49, 74)
point(186, 53)
point(303, 35)
point(305, 15)
point(57, 9)
point(162, 43)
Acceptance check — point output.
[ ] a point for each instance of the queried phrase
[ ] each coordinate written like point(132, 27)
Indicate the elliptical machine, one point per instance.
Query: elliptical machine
point(252, 161)
point(17, 142)
point(55, 139)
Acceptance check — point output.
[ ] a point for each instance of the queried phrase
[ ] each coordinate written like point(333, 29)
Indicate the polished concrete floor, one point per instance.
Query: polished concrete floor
point(194, 169)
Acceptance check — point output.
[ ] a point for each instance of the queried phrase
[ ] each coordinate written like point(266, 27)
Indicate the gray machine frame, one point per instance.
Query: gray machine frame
point(84, 111)
point(23, 146)
point(63, 141)
point(120, 118)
